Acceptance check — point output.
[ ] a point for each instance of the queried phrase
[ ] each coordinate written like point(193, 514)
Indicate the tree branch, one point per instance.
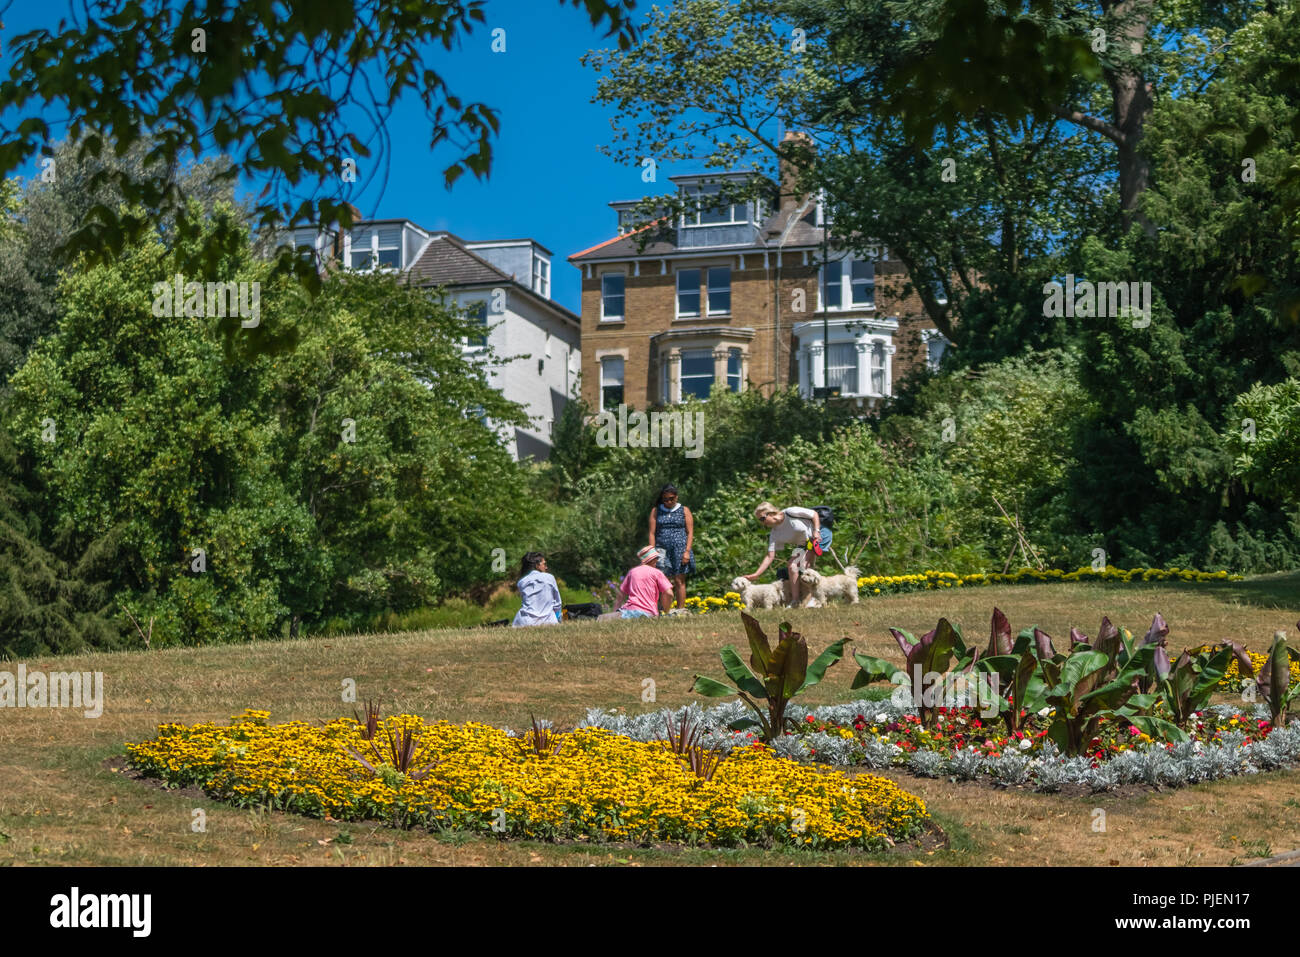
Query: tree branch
point(1108, 130)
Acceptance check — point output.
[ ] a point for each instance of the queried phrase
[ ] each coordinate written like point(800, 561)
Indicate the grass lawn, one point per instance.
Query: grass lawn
point(60, 804)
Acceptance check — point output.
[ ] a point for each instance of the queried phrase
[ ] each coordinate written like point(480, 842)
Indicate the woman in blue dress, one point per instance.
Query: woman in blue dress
point(672, 528)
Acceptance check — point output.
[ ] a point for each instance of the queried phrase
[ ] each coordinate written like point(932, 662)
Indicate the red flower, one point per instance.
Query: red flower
point(810, 719)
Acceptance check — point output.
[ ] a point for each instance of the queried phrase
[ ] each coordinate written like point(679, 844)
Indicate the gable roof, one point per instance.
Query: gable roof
point(445, 259)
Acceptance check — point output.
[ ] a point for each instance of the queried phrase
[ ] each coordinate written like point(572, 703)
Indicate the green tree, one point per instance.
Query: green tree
point(1267, 442)
point(40, 215)
point(46, 605)
point(979, 209)
point(243, 501)
point(277, 85)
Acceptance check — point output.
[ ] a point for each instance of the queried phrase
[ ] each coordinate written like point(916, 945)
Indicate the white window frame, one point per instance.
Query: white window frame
point(372, 248)
point(849, 368)
point(740, 368)
point(845, 283)
point(542, 277)
point(622, 316)
point(929, 336)
point(470, 307)
point(622, 378)
point(378, 247)
point(314, 242)
point(695, 220)
point(877, 370)
point(699, 293)
point(708, 291)
point(681, 370)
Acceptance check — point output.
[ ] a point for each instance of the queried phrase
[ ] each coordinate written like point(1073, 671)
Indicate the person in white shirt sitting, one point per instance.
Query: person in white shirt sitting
point(540, 593)
point(790, 526)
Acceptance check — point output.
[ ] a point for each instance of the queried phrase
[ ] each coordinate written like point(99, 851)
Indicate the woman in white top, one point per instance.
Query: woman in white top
point(790, 526)
point(540, 593)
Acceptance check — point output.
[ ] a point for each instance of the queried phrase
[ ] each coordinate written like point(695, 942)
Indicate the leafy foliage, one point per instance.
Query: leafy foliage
point(774, 675)
point(184, 74)
point(253, 489)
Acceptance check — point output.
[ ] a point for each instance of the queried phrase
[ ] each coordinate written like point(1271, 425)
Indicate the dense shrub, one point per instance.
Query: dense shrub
point(326, 481)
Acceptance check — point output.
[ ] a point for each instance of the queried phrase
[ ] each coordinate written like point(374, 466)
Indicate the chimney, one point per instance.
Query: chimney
point(796, 153)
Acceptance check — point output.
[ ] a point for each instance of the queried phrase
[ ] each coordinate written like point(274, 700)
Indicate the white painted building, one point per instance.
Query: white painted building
point(506, 285)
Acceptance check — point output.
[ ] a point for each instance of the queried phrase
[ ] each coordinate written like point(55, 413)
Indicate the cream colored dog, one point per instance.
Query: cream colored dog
point(776, 595)
point(826, 587)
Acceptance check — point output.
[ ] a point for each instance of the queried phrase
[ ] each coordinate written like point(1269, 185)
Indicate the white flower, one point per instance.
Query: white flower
point(1025, 744)
point(1045, 712)
point(882, 717)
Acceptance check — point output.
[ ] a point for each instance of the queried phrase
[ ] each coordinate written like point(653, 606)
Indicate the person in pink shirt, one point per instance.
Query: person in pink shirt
point(646, 589)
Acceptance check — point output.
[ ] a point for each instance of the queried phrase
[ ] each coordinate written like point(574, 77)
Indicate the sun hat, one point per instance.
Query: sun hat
point(650, 554)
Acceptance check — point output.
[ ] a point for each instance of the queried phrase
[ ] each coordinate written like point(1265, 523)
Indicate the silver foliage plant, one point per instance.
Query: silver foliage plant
point(1045, 770)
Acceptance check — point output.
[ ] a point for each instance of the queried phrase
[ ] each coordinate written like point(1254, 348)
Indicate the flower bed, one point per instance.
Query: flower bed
point(1231, 682)
point(869, 585)
point(588, 784)
point(1226, 740)
point(894, 584)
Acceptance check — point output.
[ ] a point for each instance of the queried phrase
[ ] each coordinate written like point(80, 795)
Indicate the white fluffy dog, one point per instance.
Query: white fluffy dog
point(826, 587)
point(754, 596)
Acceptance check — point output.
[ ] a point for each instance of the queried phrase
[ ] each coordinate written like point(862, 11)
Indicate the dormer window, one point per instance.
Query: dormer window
point(388, 248)
point(376, 248)
point(541, 277)
point(709, 211)
point(309, 239)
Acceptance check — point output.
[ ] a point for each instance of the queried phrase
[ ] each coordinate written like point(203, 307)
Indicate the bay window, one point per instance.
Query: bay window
point(733, 370)
point(697, 372)
point(842, 367)
point(878, 369)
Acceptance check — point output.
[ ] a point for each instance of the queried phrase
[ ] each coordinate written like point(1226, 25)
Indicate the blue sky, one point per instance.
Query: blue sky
point(548, 182)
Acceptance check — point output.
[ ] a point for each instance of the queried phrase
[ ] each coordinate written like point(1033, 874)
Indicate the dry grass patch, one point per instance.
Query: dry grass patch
point(61, 804)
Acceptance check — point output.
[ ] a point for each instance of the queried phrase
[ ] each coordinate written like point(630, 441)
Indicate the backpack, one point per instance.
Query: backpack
point(589, 609)
point(825, 516)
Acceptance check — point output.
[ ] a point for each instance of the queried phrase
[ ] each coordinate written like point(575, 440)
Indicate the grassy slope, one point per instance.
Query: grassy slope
point(60, 805)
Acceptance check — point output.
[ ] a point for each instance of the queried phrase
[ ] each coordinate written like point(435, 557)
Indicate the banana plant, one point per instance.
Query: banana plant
point(1274, 682)
point(1084, 696)
point(1188, 685)
point(774, 675)
point(929, 655)
point(1016, 663)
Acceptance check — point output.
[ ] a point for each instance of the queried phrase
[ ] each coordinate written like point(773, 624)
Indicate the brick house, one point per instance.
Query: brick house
point(735, 295)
